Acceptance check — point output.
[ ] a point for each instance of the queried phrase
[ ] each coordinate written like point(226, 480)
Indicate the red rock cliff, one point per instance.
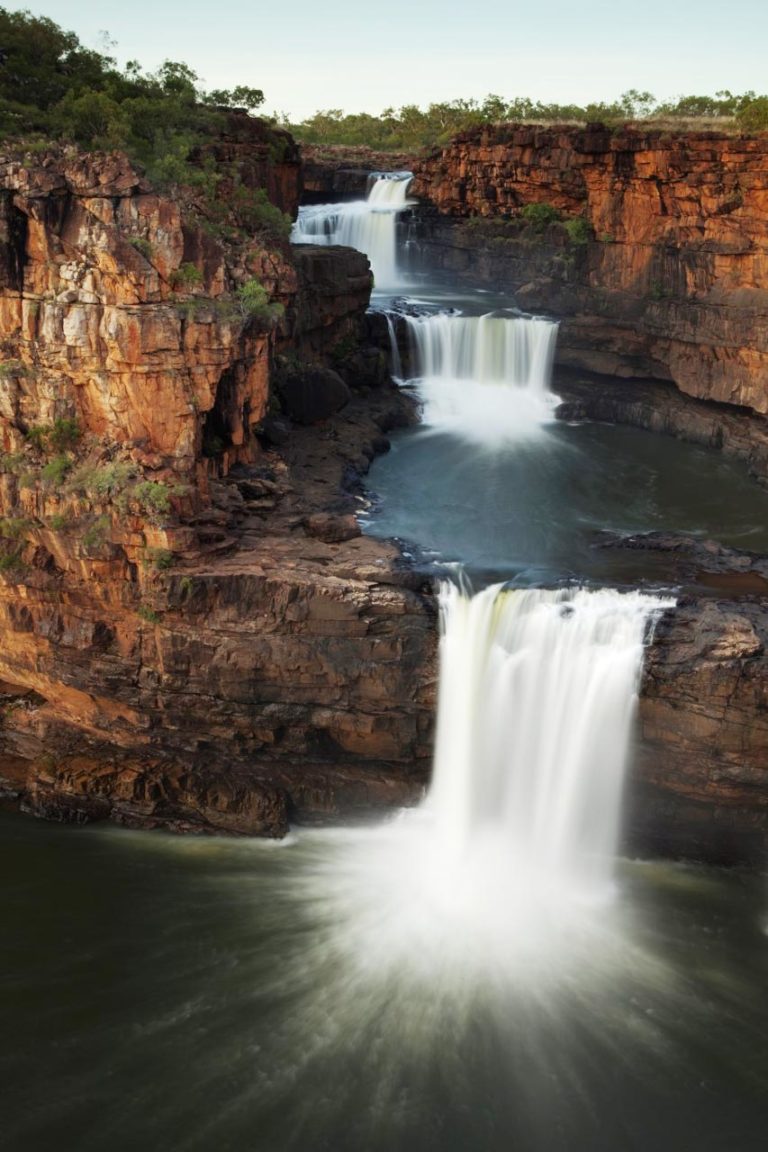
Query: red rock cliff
point(666, 277)
point(192, 631)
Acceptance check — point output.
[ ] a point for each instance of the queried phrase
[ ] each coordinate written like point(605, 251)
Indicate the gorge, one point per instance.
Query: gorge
point(223, 525)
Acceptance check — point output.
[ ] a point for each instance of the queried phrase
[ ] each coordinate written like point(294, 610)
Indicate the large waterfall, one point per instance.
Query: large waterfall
point(484, 377)
point(369, 225)
point(513, 848)
point(537, 693)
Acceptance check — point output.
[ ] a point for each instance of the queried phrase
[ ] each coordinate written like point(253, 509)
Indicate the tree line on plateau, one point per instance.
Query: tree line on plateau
point(52, 87)
point(410, 127)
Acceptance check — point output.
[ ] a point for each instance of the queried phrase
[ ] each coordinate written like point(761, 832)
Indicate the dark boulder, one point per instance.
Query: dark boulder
point(309, 394)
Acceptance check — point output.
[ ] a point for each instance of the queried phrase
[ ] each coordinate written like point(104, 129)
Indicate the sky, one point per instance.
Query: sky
point(363, 57)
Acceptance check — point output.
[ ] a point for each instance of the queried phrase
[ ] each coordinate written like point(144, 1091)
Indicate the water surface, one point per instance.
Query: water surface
point(538, 510)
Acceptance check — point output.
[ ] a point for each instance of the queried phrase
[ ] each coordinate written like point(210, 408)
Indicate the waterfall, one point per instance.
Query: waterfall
point(485, 377)
point(537, 693)
point(369, 225)
point(394, 350)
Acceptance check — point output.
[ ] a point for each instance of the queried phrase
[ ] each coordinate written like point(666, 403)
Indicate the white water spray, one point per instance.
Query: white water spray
point(504, 867)
point(486, 378)
point(537, 693)
point(369, 225)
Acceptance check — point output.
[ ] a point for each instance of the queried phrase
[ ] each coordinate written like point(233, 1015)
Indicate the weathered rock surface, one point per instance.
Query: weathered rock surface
point(262, 156)
point(666, 273)
point(702, 767)
point(334, 172)
point(661, 408)
point(190, 632)
point(236, 654)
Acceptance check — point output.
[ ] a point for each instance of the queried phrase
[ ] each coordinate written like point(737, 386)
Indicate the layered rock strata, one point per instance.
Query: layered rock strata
point(336, 173)
point(192, 631)
point(652, 248)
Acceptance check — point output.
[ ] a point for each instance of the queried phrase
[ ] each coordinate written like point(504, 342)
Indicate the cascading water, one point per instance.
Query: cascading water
point(518, 832)
point(537, 694)
point(485, 378)
point(369, 225)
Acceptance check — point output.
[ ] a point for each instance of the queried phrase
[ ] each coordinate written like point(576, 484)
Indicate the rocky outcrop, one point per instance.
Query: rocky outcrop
point(334, 173)
point(192, 630)
point(702, 773)
point(660, 407)
point(252, 154)
point(658, 264)
point(699, 781)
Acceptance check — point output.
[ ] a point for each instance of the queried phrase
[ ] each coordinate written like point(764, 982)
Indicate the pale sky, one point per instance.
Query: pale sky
point(357, 56)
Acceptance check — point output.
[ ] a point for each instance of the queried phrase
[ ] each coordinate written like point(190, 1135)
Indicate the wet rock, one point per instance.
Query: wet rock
point(274, 430)
point(700, 784)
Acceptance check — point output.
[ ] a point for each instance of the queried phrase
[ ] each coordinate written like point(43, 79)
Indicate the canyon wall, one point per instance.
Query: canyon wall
point(651, 247)
point(700, 781)
point(192, 630)
point(652, 250)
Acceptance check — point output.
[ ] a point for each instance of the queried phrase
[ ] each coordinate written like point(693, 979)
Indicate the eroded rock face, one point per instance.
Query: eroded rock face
point(190, 632)
point(335, 172)
point(98, 322)
point(666, 278)
point(702, 771)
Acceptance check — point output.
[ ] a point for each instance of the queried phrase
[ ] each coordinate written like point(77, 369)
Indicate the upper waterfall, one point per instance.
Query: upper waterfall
point(484, 377)
point(369, 225)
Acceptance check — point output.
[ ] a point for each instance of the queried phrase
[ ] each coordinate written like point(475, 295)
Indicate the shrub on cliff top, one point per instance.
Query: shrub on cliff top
point(753, 117)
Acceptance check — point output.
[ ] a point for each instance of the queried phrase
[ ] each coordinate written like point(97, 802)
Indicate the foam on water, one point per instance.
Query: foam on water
point(368, 225)
point(483, 378)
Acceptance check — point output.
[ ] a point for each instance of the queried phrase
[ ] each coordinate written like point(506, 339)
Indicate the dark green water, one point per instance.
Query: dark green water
point(180, 994)
point(536, 511)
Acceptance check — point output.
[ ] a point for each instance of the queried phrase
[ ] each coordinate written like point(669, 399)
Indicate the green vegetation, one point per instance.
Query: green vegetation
point(102, 480)
point(254, 304)
point(186, 276)
point(37, 436)
point(14, 527)
point(55, 471)
point(753, 117)
point(154, 498)
point(160, 558)
point(578, 229)
point(13, 368)
point(12, 463)
point(240, 210)
point(540, 216)
point(61, 436)
point(52, 87)
point(11, 561)
point(148, 614)
point(410, 128)
point(118, 483)
point(97, 535)
point(64, 435)
point(142, 245)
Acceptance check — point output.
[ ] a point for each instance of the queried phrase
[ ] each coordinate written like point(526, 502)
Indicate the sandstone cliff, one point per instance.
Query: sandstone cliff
point(192, 631)
point(658, 265)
